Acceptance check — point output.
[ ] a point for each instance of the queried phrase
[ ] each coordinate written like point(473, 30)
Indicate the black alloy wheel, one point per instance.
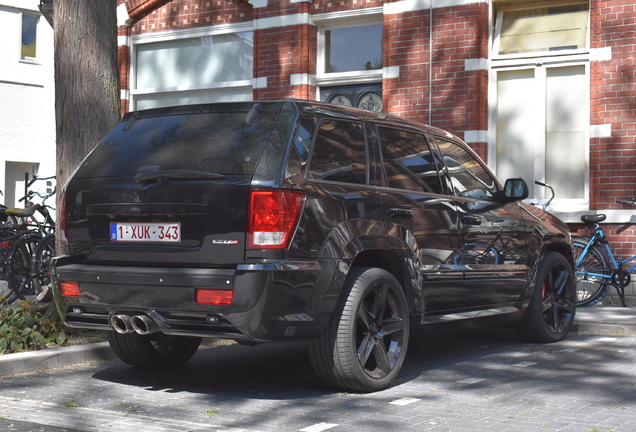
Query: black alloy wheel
point(365, 346)
point(550, 315)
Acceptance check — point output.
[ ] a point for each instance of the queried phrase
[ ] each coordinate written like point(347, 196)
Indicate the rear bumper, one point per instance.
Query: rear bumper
point(278, 300)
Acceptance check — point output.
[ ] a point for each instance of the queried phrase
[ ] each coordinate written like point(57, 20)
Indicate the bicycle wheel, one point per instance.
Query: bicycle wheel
point(590, 289)
point(19, 266)
point(42, 275)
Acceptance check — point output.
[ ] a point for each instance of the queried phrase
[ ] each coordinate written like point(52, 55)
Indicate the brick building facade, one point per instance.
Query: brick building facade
point(542, 89)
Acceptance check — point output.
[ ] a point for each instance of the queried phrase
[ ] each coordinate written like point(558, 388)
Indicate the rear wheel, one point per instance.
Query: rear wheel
point(590, 289)
point(551, 310)
point(19, 265)
point(153, 351)
point(364, 347)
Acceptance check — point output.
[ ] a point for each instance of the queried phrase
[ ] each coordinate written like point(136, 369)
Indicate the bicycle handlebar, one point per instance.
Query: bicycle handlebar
point(629, 201)
point(36, 178)
point(537, 182)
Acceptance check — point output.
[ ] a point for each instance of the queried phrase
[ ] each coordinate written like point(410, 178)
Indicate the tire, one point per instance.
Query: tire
point(19, 267)
point(590, 290)
point(550, 314)
point(42, 274)
point(365, 345)
point(154, 351)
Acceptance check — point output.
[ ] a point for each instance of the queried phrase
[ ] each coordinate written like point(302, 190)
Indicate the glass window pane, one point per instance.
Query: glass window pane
point(515, 125)
point(218, 142)
point(224, 94)
point(29, 33)
point(566, 121)
point(353, 49)
point(544, 29)
point(339, 152)
point(408, 161)
point(468, 177)
point(195, 62)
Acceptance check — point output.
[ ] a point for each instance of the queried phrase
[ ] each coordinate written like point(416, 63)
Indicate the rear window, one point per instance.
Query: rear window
point(218, 142)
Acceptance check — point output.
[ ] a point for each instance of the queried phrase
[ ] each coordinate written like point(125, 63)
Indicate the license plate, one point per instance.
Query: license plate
point(145, 232)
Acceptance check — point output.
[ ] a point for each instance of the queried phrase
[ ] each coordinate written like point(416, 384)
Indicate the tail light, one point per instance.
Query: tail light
point(213, 296)
point(69, 289)
point(5, 244)
point(273, 217)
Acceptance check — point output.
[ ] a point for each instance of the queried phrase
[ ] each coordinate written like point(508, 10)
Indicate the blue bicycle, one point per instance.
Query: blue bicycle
point(596, 267)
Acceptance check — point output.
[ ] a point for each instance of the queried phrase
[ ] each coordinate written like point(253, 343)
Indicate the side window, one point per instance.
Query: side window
point(339, 152)
point(408, 161)
point(468, 177)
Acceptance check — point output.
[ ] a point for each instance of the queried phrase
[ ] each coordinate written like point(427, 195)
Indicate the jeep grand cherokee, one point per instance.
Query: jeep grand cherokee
point(298, 220)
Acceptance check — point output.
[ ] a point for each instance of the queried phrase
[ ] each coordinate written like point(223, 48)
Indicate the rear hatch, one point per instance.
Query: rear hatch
point(169, 187)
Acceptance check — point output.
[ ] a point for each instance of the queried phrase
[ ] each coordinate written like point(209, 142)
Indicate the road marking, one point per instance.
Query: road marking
point(319, 427)
point(525, 364)
point(404, 401)
point(471, 381)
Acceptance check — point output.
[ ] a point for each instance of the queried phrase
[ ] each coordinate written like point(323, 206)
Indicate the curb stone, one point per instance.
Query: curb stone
point(51, 358)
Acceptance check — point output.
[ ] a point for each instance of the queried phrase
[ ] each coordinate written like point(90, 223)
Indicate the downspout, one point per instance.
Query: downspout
point(430, 62)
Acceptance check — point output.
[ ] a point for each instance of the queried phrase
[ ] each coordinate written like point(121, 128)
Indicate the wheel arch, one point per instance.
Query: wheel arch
point(391, 262)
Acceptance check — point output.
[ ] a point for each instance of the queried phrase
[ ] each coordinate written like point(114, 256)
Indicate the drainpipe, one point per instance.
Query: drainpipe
point(430, 62)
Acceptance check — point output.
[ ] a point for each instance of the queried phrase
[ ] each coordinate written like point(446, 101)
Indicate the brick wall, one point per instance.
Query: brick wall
point(613, 101)
point(459, 97)
point(184, 14)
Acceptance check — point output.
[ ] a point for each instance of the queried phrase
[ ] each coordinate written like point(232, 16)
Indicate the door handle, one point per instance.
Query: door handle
point(470, 220)
point(400, 213)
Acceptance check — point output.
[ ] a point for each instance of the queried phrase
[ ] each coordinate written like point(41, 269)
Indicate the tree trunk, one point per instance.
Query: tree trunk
point(87, 100)
point(87, 103)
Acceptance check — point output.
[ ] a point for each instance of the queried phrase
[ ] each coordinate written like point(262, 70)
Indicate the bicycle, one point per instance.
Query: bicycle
point(596, 266)
point(27, 265)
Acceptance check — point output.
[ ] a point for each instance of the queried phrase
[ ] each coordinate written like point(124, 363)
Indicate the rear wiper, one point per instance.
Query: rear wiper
point(165, 176)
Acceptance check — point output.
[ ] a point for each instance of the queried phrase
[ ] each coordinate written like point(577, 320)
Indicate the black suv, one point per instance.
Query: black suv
point(298, 220)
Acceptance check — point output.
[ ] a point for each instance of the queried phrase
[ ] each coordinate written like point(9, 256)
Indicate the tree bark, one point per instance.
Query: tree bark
point(87, 100)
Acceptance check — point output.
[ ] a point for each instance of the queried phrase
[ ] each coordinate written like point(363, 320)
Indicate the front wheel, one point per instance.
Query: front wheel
point(551, 310)
point(153, 351)
point(364, 347)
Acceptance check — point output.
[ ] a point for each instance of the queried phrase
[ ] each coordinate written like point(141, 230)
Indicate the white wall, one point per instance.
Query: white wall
point(27, 101)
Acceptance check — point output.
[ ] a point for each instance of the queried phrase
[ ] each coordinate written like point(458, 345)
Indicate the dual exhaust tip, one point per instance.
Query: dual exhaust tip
point(142, 324)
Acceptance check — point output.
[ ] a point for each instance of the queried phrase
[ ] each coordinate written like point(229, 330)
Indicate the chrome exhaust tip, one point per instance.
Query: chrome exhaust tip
point(121, 324)
point(143, 324)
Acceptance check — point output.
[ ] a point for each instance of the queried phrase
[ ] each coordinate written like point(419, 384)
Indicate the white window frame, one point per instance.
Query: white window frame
point(183, 34)
point(339, 20)
point(30, 60)
point(539, 61)
point(528, 6)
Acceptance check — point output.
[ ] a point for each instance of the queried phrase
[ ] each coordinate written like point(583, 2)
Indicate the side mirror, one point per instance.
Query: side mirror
point(515, 190)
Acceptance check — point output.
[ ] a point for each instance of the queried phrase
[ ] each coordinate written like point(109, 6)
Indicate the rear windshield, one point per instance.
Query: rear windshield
point(223, 143)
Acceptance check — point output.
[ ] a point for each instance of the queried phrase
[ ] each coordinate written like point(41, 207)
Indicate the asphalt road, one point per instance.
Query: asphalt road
point(473, 381)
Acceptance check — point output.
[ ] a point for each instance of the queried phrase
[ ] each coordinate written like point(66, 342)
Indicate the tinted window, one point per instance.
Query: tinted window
point(339, 152)
point(468, 177)
point(223, 143)
point(408, 161)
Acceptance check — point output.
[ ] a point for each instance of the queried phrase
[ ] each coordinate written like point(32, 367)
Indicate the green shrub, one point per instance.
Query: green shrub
point(21, 329)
